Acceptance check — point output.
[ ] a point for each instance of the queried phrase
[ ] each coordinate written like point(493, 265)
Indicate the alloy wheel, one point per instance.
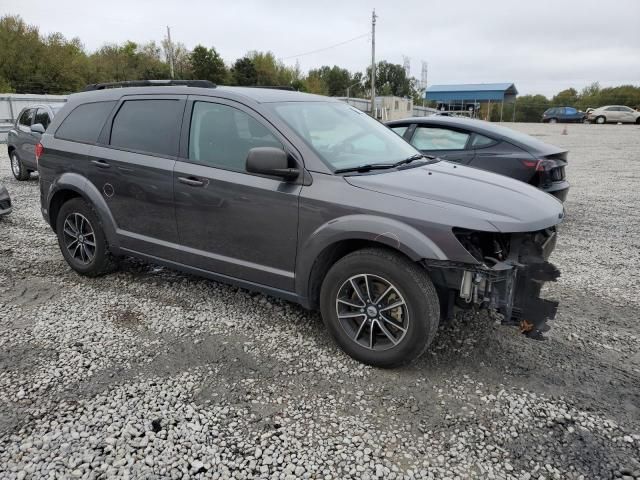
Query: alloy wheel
point(15, 165)
point(79, 238)
point(372, 312)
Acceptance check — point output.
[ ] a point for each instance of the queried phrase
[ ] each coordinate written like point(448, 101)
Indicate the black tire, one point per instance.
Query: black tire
point(17, 168)
point(97, 259)
point(553, 120)
point(601, 120)
point(420, 310)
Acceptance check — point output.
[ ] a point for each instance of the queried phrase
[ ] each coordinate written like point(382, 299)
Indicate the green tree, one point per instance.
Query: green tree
point(207, 64)
point(244, 72)
point(565, 98)
point(391, 79)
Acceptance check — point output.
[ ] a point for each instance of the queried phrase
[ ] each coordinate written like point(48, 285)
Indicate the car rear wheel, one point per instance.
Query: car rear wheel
point(380, 307)
point(81, 239)
point(600, 120)
point(17, 168)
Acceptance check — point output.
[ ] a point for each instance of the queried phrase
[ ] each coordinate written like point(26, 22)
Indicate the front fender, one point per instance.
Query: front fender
point(87, 190)
point(386, 231)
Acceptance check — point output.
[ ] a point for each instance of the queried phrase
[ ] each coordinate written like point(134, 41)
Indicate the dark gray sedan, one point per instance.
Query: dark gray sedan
point(490, 147)
point(25, 135)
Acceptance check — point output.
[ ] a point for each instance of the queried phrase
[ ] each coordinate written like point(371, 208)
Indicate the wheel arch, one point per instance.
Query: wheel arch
point(73, 185)
point(335, 239)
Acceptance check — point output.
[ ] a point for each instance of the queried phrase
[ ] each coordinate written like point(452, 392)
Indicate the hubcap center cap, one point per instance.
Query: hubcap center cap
point(372, 311)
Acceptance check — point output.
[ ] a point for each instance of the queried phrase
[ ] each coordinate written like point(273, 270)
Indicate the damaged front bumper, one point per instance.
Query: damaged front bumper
point(510, 285)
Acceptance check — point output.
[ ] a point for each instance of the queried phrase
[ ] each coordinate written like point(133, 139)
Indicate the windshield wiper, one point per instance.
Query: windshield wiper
point(381, 166)
point(410, 159)
point(366, 167)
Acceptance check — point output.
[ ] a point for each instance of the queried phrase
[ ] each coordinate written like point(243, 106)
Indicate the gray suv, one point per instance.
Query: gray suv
point(299, 196)
point(25, 135)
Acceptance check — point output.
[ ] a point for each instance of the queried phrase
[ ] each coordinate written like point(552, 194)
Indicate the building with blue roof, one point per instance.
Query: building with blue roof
point(469, 96)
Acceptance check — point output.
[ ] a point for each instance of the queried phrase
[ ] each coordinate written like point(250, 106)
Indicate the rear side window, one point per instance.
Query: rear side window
point(149, 126)
point(439, 139)
point(400, 129)
point(42, 116)
point(480, 141)
point(26, 117)
point(84, 123)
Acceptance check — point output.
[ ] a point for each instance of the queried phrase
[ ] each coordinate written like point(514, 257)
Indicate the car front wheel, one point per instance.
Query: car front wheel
point(553, 120)
point(17, 168)
point(82, 240)
point(380, 307)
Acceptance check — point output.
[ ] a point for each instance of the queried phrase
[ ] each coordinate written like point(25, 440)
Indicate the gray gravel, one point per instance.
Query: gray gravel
point(148, 373)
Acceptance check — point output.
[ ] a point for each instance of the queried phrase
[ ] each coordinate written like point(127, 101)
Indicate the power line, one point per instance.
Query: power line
point(328, 48)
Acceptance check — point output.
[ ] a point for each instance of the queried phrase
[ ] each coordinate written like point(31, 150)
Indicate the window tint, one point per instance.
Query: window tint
point(400, 129)
point(222, 136)
point(149, 126)
point(84, 123)
point(626, 109)
point(42, 116)
point(612, 109)
point(439, 139)
point(570, 111)
point(26, 117)
point(480, 141)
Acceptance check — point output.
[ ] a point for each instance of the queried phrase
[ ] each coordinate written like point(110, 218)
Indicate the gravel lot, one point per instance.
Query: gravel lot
point(148, 373)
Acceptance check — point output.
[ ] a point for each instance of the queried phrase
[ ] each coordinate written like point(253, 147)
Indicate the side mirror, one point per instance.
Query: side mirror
point(37, 128)
point(270, 161)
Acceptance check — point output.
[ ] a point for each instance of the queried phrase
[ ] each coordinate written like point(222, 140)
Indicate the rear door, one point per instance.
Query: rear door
point(443, 142)
point(132, 167)
point(26, 142)
point(230, 221)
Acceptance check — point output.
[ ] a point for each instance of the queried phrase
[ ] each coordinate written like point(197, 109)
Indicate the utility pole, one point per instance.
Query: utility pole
point(170, 51)
point(373, 63)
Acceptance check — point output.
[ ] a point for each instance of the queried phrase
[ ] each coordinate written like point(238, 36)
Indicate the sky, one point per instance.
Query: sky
point(543, 46)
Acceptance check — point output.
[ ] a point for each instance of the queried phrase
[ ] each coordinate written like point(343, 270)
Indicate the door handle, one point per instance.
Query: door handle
point(100, 163)
point(191, 181)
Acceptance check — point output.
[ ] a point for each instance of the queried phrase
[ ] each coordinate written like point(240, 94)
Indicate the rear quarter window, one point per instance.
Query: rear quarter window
point(85, 122)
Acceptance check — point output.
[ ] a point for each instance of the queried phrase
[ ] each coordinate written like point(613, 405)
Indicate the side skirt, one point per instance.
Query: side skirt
point(256, 287)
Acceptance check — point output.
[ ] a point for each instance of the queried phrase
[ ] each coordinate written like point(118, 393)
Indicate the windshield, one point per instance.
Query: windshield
point(343, 136)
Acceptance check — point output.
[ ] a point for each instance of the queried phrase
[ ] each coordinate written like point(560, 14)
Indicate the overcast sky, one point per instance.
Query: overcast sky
point(543, 46)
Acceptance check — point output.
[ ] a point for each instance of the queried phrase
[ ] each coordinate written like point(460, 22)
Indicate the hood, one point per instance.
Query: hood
point(470, 195)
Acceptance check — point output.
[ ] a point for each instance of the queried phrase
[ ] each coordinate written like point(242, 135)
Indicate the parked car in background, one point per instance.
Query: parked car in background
point(614, 114)
point(5, 201)
point(563, 115)
point(25, 135)
point(484, 145)
point(299, 196)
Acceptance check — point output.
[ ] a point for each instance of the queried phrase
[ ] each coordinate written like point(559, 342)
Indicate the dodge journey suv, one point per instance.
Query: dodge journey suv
point(298, 196)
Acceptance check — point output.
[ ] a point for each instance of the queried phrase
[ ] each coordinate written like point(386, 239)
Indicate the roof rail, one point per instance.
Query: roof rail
point(272, 87)
point(150, 83)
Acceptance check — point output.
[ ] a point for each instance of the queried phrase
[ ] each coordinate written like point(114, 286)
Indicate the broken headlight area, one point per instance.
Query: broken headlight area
point(509, 275)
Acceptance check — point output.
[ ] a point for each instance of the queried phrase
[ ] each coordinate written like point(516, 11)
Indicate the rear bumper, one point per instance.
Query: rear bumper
point(560, 190)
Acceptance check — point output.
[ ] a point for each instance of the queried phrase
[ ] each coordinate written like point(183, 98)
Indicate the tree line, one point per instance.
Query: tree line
point(35, 63)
